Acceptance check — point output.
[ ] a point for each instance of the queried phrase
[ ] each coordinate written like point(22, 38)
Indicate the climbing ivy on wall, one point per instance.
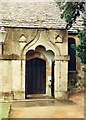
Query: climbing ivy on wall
point(81, 48)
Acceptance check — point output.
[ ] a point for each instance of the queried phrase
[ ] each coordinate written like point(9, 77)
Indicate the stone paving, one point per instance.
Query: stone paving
point(46, 108)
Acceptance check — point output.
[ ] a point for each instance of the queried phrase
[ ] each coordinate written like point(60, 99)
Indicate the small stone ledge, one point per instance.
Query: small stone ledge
point(18, 95)
point(7, 95)
point(9, 57)
point(62, 57)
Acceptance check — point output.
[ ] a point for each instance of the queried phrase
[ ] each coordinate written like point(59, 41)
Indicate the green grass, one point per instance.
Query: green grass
point(4, 110)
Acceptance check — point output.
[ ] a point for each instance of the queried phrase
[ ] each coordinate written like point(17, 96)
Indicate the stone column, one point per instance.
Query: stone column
point(16, 79)
point(1, 79)
point(57, 78)
point(23, 77)
point(1, 48)
point(61, 78)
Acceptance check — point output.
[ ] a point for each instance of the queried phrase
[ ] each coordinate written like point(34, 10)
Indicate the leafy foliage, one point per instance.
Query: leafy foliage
point(71, 10)
point(81, 48)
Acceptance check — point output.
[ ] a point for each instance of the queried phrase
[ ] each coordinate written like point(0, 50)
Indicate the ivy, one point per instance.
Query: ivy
point(70, 11)
point(81, 48)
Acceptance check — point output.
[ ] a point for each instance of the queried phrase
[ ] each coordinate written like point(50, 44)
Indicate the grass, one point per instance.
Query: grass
point(4, 110)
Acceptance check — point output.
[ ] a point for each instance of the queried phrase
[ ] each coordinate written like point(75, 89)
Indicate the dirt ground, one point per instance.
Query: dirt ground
point(50, 108)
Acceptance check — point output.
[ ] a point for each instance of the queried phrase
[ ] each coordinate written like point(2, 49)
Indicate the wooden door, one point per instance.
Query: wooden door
point(35, 76)
point(72, 53)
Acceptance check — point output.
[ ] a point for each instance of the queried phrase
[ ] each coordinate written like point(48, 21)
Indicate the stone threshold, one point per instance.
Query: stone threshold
point(26, 100)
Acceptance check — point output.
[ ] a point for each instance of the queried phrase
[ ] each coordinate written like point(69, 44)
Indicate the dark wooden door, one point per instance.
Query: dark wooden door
point(52, 81)
point(72, 53)
point(35, 76)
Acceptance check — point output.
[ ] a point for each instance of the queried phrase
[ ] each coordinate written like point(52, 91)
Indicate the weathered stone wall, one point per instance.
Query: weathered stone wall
point(12, 45)
point(21, 40)
point(77, 81)
point(81, 80)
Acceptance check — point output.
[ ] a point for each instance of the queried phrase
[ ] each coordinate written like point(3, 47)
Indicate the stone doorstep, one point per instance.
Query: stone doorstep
point(38, 100)
point(24, 100)
point(31, 100)
point(42, 103)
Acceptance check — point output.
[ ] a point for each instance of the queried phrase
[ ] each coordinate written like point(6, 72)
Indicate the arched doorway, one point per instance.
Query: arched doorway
point(39, 75)
point(35, 76)
point(72, 53)
point(35, 84)
point(72, 78)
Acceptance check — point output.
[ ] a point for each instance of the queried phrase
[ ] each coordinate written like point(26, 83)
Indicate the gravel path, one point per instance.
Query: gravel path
point(50, 109)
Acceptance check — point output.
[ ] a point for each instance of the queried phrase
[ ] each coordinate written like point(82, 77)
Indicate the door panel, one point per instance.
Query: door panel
point(52, 82)
point(72, 53)
point(35, 76)
point(43, 77)
point(38, 77)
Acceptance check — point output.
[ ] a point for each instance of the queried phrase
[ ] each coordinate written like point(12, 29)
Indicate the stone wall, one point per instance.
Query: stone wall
point(77, 81)
point(72, 80)
point(81, 81)
point(18, 42)
point(21, 40)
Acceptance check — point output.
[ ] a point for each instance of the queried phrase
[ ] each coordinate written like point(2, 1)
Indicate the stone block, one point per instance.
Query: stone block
point(18, 95)
point(61, 96)
point(7, 96)
point(63, 57)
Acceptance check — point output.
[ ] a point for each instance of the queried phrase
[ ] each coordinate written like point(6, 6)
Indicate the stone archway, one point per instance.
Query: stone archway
point(47, 47)
point(40, 54)
point(35, 82)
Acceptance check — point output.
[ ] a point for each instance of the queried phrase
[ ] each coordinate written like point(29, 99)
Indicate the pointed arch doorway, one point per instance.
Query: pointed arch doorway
point(35, 75)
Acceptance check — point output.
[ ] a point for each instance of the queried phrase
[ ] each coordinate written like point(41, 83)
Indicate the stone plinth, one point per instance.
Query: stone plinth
point(61, 95)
